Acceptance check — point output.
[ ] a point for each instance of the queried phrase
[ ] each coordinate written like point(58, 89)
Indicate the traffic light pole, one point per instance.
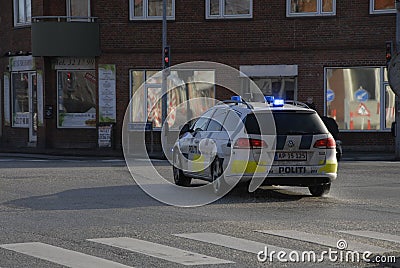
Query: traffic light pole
point(397, 105)
point(164, 72)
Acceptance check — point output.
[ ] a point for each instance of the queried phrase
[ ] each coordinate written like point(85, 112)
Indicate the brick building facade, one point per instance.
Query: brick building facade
point(296, 49)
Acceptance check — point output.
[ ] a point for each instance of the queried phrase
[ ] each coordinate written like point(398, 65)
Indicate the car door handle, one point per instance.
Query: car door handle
point(196, 141)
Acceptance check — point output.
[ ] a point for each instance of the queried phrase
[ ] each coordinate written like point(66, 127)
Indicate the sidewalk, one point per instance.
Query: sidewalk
point(83, 154)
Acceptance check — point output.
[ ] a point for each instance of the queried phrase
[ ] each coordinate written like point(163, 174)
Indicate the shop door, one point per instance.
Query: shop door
point(33, 111)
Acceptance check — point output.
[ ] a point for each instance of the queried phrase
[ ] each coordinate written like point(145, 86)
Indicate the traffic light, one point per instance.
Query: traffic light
point(166, 57)
point(69, 80)
point(389, 51)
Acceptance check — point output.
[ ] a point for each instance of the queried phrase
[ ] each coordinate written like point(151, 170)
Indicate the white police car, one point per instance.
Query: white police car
point(271, 143)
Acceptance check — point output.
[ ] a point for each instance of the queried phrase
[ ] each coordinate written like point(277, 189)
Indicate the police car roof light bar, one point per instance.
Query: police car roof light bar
point(269, 99)
point(278, 102)
point(297, 103)
point(238, 100)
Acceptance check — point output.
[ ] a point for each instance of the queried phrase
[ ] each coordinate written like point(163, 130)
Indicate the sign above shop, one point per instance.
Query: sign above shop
point(74, 63)
point(21, 63)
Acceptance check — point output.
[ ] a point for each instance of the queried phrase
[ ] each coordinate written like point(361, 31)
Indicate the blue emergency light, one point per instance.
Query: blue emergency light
point(269, 99)
point(278, 102)
point(236, 98)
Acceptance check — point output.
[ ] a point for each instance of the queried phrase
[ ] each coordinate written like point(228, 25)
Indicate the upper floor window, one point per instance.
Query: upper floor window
point(310, 8)
point(150, 9)
point(382, 6)
point(78, 9)
point(224, 9)
point(22, 12)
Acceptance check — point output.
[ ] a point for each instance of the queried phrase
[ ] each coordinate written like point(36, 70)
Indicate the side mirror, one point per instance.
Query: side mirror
point(184, 129)
point(393, 129)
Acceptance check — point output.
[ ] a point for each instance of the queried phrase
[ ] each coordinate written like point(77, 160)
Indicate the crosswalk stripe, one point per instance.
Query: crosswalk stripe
point(159, 251)
point(375, 235)
point(61, 256)
point(232, 242)
point(324, 240)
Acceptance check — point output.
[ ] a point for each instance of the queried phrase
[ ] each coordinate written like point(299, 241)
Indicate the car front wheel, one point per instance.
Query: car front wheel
point(179, 178)
point(218, 182)
point(320, 190)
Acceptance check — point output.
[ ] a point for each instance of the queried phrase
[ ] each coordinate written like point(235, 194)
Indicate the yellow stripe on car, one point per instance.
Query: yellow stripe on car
point(329, 167)
point(243, 166)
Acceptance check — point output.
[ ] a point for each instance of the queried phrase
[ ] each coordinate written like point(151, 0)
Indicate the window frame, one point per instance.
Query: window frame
point(69, 14)
point(145, 15)
point(222, 12)
point(383, 11)
point(318, 13)
point(26, 21)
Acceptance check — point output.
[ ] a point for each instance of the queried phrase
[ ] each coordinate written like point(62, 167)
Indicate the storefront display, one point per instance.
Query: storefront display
point(359, 99)
point(76, 99)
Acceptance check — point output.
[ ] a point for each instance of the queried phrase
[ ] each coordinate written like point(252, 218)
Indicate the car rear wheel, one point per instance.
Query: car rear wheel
point(218, 182)
point(320, 190)
point(179, 178)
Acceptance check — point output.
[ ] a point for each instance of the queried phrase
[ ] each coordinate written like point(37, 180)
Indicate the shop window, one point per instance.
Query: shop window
point(382, 6)
point(224, 9)
point(359, 99)
point(78, 10)
point(146, 96)
point(76, 99)
point(20, 99)
point(22, 12)
point(150, 9)
point(310, 8)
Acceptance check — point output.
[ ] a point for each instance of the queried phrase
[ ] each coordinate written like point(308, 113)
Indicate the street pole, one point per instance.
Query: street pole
point(164, 72)
point(397, 104)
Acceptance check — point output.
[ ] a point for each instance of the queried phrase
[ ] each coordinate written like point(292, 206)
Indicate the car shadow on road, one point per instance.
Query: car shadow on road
point(131, 196)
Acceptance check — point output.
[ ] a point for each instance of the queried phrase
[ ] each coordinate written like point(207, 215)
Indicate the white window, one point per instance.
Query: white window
point(150, 9)
point(225, 9)
point(382, 6)
point(22, 12)
point(78, 9)
point(296, 8)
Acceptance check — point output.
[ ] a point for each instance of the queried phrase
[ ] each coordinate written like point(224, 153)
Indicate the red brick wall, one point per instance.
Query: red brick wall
point(351, 38)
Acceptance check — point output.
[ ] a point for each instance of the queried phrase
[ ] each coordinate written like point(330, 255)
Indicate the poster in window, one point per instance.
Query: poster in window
point(76, 99)
point(7, 99)
point(107, 95)
point(20, 99)
point(40, 97)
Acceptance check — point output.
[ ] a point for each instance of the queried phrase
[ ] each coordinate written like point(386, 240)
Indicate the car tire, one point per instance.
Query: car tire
point(180, 178)
point(320, 190)
point(218, 183)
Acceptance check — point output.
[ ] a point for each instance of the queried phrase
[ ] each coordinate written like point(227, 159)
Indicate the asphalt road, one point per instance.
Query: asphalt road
point(86, 212)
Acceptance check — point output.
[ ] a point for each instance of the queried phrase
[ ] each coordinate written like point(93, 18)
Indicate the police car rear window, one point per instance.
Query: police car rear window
point(287, 123)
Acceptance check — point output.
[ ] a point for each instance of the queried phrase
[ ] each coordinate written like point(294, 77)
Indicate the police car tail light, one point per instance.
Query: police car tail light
point(328, 143)
point(244, 143)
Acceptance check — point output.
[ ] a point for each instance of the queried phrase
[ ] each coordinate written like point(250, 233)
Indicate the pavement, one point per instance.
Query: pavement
point(84, 154)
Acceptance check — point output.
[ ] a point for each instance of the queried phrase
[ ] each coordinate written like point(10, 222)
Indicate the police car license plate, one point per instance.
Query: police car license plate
point(291, 156)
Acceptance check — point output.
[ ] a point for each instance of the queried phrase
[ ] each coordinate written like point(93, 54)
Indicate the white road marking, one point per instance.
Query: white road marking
point(159, 251)
point(233, 242)
point(61, 256)
point(325, 240)
point(375, 235)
